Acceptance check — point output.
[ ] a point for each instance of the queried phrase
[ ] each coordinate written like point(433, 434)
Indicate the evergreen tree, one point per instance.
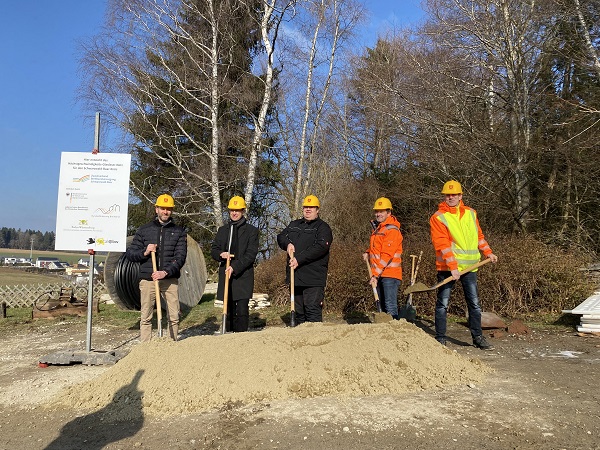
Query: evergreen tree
point(188, 99)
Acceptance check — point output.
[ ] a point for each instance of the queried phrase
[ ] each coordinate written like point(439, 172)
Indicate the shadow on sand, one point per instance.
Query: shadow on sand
point(120, 419)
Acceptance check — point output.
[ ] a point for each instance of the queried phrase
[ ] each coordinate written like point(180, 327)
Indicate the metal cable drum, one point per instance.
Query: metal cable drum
point(122, 278)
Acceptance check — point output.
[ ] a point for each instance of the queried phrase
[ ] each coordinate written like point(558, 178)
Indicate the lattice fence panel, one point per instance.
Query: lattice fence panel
point(24, 295)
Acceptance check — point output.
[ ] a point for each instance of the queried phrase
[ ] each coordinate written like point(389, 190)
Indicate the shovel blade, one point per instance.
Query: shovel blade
point(417, 287)
point(408, 312)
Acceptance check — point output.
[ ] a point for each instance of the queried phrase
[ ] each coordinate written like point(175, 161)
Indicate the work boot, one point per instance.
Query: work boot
point(482, 343)
point(442, 341)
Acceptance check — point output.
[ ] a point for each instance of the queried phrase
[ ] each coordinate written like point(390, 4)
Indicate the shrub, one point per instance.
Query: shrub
point(530, 278)
point(533, 278)
point(269, 278)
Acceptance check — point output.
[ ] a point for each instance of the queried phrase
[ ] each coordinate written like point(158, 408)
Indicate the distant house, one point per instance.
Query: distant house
point(44, 262)
point(81, 270)
point(77, 270)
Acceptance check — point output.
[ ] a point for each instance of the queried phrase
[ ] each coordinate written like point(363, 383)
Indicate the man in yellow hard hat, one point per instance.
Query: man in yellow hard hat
point(385, 256)
point(169, 241)
point(308, 240)
point(238, 240)
point(459, 243)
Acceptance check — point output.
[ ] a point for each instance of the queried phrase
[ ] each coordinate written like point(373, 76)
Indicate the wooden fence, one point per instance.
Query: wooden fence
point(25, 295)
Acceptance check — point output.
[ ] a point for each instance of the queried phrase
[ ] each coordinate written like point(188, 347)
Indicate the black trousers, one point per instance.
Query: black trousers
point(308, 303)
point(238, 316)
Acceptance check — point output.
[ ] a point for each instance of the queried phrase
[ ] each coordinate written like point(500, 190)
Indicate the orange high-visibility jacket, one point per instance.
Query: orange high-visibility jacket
point(385, 249)
point(457, 237)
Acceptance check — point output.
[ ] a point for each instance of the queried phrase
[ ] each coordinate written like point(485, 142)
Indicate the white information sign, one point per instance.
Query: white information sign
point(93, 195)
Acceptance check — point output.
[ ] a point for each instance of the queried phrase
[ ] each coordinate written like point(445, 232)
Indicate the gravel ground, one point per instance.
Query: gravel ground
point(542, 393)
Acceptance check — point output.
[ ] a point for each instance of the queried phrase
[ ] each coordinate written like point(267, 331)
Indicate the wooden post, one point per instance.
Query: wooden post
point(3, 310)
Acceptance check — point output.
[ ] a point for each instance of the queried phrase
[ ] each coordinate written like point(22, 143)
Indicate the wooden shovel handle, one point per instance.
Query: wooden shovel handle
point(226, 284)
point(373, 286)
point(375, 294)
point(292, 288)
point(462, 272)
point(413, 278)
point(417, 267)
point(292, 283)
point(157, 291)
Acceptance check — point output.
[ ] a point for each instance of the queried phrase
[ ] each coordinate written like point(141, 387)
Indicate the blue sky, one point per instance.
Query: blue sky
point(39, 115)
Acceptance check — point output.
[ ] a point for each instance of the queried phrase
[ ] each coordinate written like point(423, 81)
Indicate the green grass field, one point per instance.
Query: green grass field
point(110, 315)
point(70, 257)
point(9, 276)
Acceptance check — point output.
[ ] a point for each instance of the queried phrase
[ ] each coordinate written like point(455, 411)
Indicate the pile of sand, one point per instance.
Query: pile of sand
point(204, 372)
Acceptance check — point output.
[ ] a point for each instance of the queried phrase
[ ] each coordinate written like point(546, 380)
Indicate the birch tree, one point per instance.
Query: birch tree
point(501, 95)
point(176, 76)
point(309, 59)
point(273, 15)
point(502, 40)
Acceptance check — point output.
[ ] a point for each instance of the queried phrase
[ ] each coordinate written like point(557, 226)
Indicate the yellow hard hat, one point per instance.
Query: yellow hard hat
point(311, 200)
point(452, 187)
point(165, 201)
point(383, 203)
point(236, 202)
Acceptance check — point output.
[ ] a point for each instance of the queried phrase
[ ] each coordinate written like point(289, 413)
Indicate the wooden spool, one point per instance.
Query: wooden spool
point(121, 278)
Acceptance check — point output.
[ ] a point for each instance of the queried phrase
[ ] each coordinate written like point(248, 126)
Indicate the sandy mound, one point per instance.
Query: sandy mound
point(203, 372)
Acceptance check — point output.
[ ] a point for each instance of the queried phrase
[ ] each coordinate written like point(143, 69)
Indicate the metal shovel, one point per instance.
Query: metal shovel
point(408, 311)
point(420, 287)
point(226, 284)
point(375, 294)
point(292, 288)
point(157, 292)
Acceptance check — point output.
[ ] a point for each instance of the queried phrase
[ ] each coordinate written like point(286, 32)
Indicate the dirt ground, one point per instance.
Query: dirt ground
point(543, 393)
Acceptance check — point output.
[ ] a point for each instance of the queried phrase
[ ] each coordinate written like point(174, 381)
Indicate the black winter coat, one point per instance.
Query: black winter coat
point(241, 283)
point(311, 240)
point(170, 253)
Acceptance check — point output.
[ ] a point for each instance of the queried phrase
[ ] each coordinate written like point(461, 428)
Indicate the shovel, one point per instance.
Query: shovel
point(157, 291)
point(292, 306)
point(420, 287)
point(226, 285)
point(377, 302)
point(409, 312)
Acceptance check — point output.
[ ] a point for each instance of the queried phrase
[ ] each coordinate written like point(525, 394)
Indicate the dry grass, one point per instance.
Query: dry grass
point(9, 276)
point(534, 278)
point(70, 257)
point(531, 278)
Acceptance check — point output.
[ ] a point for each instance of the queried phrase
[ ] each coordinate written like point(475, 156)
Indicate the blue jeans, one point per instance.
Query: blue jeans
point(387, 289)
point(469, 285)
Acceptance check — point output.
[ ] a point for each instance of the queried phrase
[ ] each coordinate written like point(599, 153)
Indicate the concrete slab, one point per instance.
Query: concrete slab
point(590, 305)
point(93, 358)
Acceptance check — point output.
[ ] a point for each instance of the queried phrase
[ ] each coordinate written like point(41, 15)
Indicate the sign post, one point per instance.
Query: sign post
point(93, 198)
point(92, 253)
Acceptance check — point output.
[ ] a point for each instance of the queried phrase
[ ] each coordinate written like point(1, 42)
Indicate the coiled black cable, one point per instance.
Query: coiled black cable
point(126, 278)
point(122, 278)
